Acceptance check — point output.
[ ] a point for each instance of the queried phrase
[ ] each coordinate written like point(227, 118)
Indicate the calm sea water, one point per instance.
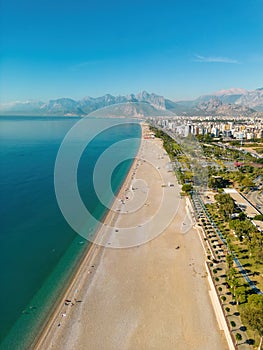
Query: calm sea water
point(38, 249)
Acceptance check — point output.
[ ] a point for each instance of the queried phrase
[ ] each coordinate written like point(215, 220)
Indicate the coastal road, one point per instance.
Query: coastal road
point(256, 198)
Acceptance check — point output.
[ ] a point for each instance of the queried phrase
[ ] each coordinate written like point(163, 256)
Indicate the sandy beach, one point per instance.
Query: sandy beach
point(145, 286)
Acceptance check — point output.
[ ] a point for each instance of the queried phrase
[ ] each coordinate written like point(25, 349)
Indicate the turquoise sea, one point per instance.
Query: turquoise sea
point(39, 251)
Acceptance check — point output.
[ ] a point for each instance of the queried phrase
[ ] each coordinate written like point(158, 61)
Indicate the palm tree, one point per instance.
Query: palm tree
point(229, 260)
point(233, 285)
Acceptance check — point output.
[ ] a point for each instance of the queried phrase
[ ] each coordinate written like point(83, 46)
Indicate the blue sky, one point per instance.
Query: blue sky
point(180, 49)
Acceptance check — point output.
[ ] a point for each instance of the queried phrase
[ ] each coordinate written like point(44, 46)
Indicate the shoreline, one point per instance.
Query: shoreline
point(147, 296)
point(92, 252)
point(89, 254)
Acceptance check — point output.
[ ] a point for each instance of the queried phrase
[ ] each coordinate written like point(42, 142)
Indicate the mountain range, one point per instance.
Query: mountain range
point(235, 102)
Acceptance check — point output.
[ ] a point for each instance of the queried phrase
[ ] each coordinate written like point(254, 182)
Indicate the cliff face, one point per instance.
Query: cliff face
point(153, 99)
point(215, 106)
point(241, 97)
point(253, 99)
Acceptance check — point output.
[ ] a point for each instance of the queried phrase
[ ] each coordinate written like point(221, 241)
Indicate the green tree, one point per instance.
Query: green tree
point(229, 260)
point(252, 313)
point(233, 324)
point(243, 228)
point(233, 285)
point(240, 295)
point(242, 216)
point(216, 182)
point(187, 188)
point(247, 182)
point(238, 337)
point(226, 205)
point(255, 245)
point(223, 298)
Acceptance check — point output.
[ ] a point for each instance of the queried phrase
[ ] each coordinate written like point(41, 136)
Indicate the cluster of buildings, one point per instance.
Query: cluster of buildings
point(237, 129)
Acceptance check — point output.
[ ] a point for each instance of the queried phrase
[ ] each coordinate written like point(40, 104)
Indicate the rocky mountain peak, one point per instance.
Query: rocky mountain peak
point(232, 101)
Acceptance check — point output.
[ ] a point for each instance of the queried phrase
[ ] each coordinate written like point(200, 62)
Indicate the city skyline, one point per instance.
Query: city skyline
point(180, 50)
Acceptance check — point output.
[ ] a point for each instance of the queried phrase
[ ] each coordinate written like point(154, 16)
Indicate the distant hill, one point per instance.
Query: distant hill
point(241, 97)
point(142, 104)
point(233, 102)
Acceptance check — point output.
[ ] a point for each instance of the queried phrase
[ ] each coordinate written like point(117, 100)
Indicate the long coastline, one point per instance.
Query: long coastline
point(89, 258)
point(153, 296)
